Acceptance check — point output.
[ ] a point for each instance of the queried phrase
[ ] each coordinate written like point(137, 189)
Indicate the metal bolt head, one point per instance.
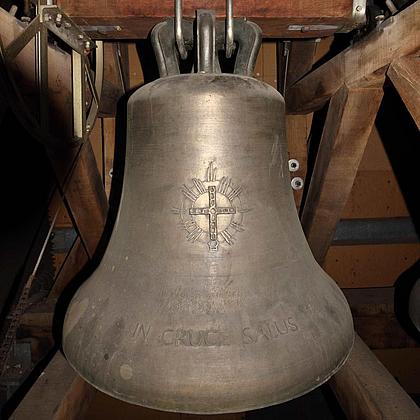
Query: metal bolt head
point(80, 36)
point(87, 45)
point(297, 183)
point(67, 25)
point(380, 18)
point(293, 165)
point(359, 8)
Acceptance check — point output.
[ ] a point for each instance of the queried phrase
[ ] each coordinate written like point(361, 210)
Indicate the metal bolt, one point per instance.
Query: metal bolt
point(80, 36)
point(58, 19)
point(88, 127)
point(67, 25)
point(87, 45)
point(293, 165)
point(379, 18)
point(297, 183)
point(359, 8)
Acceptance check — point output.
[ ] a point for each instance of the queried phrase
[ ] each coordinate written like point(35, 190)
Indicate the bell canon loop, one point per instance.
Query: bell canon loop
point(207, 299)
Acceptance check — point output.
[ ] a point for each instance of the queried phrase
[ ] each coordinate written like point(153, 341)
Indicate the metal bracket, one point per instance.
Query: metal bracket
point(247, 36)
point(51, 18)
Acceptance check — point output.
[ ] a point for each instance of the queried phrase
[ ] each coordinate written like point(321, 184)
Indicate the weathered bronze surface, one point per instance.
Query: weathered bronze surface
point(208, 299)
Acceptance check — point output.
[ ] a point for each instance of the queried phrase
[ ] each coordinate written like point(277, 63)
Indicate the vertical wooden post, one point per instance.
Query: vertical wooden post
point(351, 115)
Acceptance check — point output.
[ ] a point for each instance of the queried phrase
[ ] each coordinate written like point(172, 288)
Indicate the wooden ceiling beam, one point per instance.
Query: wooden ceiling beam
point(405, 76)
point(359, 64)
point(135, 18)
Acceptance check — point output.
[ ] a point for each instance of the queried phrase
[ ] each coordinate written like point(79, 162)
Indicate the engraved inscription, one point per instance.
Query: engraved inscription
point(194, 338)
point(260, 332)
point(211, 210)
point(268, 330)
point(142, 331)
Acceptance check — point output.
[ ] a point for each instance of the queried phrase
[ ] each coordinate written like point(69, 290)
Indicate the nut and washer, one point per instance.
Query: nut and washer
point(293, 165)
point(297, 183)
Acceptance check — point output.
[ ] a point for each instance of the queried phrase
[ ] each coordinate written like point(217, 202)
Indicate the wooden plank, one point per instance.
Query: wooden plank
point(349, 121)
point(366, 390)
point(360, 63)
point(370, 265)
point(405, 75)
point(404, 365)
point(134, 19)
point(248, 8)
point(375, 320)
point(297, 131)
point(58, 394)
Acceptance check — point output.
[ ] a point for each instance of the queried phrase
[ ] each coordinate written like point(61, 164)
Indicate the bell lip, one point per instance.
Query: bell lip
point(222, 411)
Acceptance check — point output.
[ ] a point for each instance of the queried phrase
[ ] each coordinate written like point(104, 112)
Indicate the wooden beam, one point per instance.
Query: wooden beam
point(294, 60)
point(139, 27)
point(84, 193)
point(58, 394)
point(366, 390)
point(375, 320)
point(135, 18)
point(357, 65)
point(405, 76)
point(351, 115)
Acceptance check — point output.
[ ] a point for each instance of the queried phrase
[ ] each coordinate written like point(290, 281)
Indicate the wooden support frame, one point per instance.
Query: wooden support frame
point(359, 64)
point(350, 118)
point(405, 76)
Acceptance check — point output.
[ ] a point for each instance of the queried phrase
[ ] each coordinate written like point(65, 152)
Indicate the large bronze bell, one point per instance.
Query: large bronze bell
point(208, 299)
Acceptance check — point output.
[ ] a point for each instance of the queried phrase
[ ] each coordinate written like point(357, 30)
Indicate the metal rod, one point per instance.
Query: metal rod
point(230, 46)
point(41, 42)
point(178, 30)
point(206, 41)
point(78, 95)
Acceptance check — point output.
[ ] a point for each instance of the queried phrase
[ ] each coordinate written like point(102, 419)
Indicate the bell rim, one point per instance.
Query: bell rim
point(223, 411)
